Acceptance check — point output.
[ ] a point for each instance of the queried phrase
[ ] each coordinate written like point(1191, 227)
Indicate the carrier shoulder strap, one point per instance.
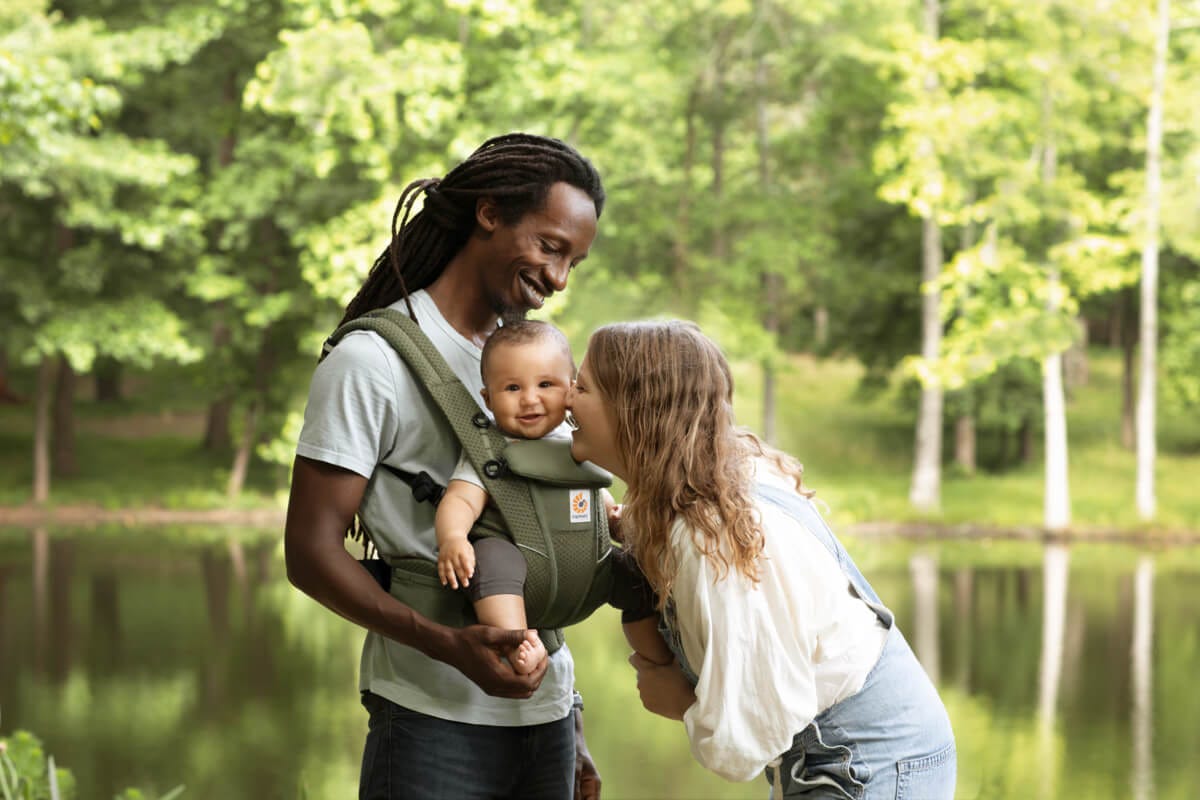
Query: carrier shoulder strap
point(480, 440)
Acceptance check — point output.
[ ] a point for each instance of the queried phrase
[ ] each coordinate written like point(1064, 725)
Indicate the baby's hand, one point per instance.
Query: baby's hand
point(456, 563)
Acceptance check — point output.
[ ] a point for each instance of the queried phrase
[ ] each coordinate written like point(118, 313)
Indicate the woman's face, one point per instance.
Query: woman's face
point(595, 436)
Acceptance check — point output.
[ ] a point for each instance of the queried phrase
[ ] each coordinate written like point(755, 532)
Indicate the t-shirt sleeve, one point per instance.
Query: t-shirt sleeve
point(754, 695)
point(351, 419)
point(463, 471)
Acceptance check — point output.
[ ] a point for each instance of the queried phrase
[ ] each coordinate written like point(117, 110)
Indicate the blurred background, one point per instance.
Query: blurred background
point(953, 249)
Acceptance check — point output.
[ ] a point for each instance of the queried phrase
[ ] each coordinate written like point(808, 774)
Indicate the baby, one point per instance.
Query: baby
point(527, 372)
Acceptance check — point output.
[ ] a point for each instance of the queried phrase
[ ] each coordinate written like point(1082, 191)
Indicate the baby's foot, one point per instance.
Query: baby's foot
point(528, 654)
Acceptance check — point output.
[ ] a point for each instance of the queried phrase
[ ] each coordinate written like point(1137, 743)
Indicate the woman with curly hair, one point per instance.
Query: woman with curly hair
point(785, 658)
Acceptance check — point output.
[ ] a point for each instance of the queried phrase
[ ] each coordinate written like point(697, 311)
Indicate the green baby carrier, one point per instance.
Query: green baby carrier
point(548, 505)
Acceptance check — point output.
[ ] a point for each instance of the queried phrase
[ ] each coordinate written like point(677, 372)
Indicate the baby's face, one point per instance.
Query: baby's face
point(526, 388)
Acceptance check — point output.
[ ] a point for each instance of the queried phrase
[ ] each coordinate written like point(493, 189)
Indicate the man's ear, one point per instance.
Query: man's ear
point(487, 214)
point(487, 399)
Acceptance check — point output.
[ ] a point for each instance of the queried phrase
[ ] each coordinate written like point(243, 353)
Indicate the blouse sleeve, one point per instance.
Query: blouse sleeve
point(753, 652)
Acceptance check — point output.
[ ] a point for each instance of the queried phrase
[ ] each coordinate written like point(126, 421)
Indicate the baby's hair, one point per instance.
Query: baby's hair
point(524, 331)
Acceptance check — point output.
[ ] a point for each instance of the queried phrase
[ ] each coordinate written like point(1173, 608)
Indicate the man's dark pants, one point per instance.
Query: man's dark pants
point(417, 757)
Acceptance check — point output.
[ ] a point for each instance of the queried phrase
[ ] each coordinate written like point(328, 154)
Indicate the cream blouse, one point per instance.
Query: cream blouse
point(771, 656)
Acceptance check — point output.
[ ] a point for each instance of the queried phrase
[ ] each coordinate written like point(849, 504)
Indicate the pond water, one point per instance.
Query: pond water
point(154, 659)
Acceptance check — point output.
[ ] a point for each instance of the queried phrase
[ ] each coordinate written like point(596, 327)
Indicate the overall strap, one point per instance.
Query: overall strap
point(480, 440)
point(803, 510)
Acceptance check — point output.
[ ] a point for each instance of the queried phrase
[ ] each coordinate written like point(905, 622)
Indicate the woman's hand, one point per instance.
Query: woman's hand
point(664, 689)
point(587, 777)
point(613, 512)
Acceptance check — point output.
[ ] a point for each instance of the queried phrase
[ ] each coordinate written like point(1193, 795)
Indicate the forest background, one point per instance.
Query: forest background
point(964, 209)
point(952, 248)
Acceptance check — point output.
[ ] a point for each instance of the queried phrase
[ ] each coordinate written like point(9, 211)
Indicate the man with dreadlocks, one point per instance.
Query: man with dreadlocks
point(449, 717)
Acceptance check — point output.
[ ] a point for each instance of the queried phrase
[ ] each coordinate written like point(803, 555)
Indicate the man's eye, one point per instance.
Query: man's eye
point(547, 247)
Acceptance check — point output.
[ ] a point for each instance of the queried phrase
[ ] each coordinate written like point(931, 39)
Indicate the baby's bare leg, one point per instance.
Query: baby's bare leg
point(508, 611)
point(497, 596)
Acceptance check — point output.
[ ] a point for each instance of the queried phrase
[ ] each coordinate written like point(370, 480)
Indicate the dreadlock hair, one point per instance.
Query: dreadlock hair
point(515, 170)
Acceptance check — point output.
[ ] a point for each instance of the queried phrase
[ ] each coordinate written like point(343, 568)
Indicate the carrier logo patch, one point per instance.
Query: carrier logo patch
point(581, 505)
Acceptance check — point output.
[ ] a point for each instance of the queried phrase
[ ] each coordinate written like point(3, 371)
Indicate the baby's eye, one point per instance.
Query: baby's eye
point(546, 384)
point(512, 387)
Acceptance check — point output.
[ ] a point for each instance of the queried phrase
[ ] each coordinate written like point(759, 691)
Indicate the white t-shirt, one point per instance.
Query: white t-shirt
point(365, 407)
point(770, 657)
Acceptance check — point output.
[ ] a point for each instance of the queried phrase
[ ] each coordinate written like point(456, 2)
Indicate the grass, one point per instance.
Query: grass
point(857, 452)
point(141, 452)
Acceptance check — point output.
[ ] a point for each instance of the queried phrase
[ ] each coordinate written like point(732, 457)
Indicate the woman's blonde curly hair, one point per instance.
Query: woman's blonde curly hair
point(670, 392)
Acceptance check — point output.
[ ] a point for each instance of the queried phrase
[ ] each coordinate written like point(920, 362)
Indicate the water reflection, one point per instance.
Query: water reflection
point(1142, 776)
point(153, 662)
point(1055, 567)
point(924, 571)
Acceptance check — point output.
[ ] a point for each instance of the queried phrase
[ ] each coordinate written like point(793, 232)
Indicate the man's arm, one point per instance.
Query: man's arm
point(323, 501)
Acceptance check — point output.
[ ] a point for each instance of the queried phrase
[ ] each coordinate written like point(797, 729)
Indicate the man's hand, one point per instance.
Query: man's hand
point(456, 563)
point(587, 777)
point(664, 689)
point(478, 651)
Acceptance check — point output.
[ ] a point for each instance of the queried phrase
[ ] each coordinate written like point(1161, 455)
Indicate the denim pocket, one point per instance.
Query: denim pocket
point(929, 777)
point(820, 770)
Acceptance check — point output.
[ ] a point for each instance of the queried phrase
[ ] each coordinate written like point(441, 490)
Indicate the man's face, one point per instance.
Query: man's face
point(531, 259)
point(526, 387)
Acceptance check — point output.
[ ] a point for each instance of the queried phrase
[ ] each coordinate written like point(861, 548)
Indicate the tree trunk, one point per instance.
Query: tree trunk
point(241, 459)
point(1147, 383)
point(6, 394)
point(1025, 441)
point(216, 425)
point(1128, 345)
point(821, 326)
point(1075, 360)
point(41, 430)
point(107, 378)
point(964, 443)
point(64, 463)
point(926, 488)
point(264, 366)
point(720, 246)
point(720, 122)
point(1056, 511)
point(771, 284)
point(683, 212)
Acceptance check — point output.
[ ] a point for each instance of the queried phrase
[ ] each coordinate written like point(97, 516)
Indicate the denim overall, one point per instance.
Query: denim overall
point(892, 739)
